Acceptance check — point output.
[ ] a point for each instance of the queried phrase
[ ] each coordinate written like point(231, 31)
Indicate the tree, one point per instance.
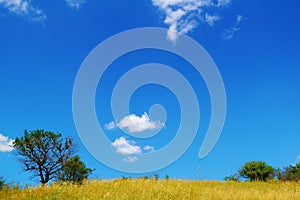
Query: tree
point(256, 171)
point(2, 183)
point(74, 171)
point(290, 173)
point(43, 153)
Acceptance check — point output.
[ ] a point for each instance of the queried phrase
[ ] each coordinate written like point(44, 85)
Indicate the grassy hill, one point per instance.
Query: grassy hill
point(162, 189)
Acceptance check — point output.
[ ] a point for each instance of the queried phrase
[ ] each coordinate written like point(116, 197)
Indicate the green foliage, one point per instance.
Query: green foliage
point(2, 183)
point(290, 173)
point(167, 177)
point(234, 177)
point(74, 171)
point(43, 153)
point(256, 171)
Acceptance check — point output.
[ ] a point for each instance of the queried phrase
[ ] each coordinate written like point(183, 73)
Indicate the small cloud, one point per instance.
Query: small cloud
point(126, 147)
point(222, 3)
point(149, 148)
point(239, 18)
point(6, 144)
point(111, 125)
point(229, 33)
point(129, 149)
point(298, 158)
point(134, 123)
point(211, 19)
point(23, 8)
point(182, 16)
point(75, 3)
point(130, 159)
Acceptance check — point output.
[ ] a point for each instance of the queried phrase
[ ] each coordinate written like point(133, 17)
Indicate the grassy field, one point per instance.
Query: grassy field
point(161, 189)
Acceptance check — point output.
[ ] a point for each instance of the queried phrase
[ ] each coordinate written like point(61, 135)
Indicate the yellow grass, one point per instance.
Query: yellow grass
point(162, 189)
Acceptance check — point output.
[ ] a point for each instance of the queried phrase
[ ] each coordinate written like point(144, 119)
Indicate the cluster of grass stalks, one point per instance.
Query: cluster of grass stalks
point(158, 189)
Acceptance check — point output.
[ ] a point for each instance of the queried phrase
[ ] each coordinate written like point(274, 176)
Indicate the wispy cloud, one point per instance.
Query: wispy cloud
point(75, 3)
point(129, 149)
point(6, 144)
point(23, 8)
point(149, 148)
point(111, 125)
point(130, 159)
point(134, 123)
point(182, 16)
point(229, 33)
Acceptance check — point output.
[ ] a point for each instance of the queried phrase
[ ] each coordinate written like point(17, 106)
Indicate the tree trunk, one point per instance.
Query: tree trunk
point(42, 176)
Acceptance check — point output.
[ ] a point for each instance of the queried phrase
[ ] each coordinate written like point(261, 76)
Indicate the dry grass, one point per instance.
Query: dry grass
point(162, 189)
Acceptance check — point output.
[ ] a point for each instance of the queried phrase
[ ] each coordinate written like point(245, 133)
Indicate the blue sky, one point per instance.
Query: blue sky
point(255, 45)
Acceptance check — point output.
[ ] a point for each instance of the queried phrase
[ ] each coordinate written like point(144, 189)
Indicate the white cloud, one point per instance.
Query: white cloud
point(149, 148)
point(182, 16)
point(6, 144)
point(134, 123)
point(23, 8)
point(239, 18)
point(111, 125)
point(126, 147)
point(130, 159)
point(129, 149)
point(211, 19)
point(229, 33)
point(221, 3)
point(75, 3)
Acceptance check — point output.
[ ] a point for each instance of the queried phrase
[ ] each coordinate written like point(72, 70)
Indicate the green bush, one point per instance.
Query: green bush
point(290, 173)
point(74, 171)
point(257, 171)
point(234, 177)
